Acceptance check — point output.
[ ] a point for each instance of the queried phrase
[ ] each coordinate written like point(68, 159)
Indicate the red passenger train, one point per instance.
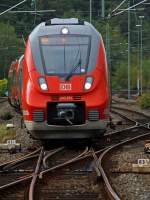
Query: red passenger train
point(62, 81)
point(15, 82)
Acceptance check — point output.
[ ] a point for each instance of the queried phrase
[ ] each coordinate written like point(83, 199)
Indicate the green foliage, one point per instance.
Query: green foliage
point(10, 47)
point(3, 87)
point(144, 100)
point(120, 77)
point(146, 74)
point(6, 116)
point(6, 134)
point(13, 26)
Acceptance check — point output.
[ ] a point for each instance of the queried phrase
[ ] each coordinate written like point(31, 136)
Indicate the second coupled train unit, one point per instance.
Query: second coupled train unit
point(64, 81)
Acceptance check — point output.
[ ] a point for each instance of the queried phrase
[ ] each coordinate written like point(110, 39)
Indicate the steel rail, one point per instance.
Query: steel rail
point(146, 117)
point(85, 155)
point(124, 117)
point(77, 159)
point(14, 165)
point(113, 194)
point(120, 131)
point(28, 177)
point(3, 99)
point(51, 153)
point(115, 101)
point(110, 191)
point(22, 179)
point(23, 158)
point(130, 110)
point(35, 175)
point(96, 163)
point(64, 164)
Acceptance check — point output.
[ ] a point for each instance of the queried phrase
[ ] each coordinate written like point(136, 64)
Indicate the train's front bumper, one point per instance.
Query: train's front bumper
point(42, 130)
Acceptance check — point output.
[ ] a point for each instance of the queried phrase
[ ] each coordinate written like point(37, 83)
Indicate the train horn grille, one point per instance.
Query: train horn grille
point(77, 97)
point(38, 116)
point(93, 115)
point(55, 98)
point(59, 98)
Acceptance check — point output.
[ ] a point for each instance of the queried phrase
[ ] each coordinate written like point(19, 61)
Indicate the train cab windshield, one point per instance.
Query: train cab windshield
point(65, 55)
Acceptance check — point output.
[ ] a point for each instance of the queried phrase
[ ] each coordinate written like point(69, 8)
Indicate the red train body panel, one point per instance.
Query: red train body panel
point(15, 78)
point(65, 90)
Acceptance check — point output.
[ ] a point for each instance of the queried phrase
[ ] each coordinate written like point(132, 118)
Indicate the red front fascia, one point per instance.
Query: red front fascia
point(34, 98)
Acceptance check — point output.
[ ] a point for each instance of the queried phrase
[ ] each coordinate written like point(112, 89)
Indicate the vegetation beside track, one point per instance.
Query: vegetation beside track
point(6, 116)
point(3, 87)
point(144, 101)
point(6, 134)
point(15, 27)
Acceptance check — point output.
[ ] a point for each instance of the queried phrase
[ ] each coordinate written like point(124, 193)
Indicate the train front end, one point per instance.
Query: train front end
point(65, 87)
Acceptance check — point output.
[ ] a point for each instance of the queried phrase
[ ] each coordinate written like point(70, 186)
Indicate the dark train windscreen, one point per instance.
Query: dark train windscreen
point(62, 54)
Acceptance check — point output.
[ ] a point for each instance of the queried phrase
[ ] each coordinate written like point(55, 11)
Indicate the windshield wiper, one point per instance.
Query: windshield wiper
point(73, 70)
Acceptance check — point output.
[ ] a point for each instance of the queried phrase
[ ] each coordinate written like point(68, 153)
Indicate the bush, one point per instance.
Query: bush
point(6, 116)
point(3, 87)
point(144, 100)
point(6, 134)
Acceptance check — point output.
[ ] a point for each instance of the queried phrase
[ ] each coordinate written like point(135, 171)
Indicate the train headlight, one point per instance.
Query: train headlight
point(64, 31)
point(88, 83)
point(43, 84)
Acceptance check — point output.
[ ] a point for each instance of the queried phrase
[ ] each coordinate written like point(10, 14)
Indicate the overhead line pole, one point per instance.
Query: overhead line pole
point(129, 67)
point(103, 9)
point(90, 11)
point(35, 8)
point(138, 59)
point(12, 7)
point(107, 41)
point(141, 54)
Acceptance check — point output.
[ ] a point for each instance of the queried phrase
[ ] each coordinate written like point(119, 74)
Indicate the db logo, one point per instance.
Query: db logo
point(65, 86)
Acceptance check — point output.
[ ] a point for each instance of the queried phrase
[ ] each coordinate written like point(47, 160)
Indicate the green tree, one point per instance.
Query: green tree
point(10, 47)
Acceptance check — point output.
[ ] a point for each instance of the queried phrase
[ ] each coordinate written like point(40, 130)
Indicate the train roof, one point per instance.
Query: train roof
point(54, 26)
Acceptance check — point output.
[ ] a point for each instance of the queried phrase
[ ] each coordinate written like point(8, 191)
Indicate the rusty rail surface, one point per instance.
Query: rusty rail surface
point(113, 195)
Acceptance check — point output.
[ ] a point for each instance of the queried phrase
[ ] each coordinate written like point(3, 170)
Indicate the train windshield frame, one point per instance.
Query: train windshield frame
point(61, 54)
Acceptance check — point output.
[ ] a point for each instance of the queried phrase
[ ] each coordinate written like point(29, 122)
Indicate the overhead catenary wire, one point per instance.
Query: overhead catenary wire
point(31, 11)
point(12, 7)
point(119, 6)
point(130, 7)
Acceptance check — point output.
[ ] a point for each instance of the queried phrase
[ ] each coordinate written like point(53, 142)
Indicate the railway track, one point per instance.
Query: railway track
point(58, 175)
point(66, 174)
point(3, 99)
point(68, 182)
point(139, 131)
point(50, 183)
point(135, 116)
point(16, 175)
point(51, 192)
point(104, 157)
point(125, 120)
